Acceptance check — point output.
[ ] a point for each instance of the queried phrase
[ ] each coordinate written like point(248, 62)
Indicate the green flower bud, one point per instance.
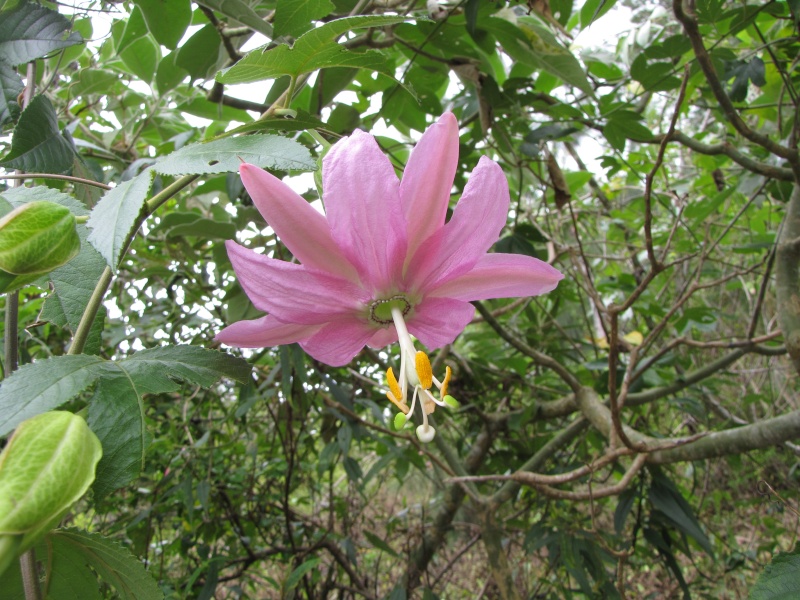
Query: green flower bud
point(46, 466)
point(37, 237)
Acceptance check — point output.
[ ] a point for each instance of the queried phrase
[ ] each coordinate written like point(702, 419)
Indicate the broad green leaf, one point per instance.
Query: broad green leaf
point(240, 11)
point(46, 466)
point(225, 155)
point(37, 145)
point(141, 58)
point(29, 31)
point(10, 88)
point(95, 81)
point(134, 29)
point(780, 579)
point(744, 72)
point(654, 76)
point(41, 386)
point(37, 237)
point(115, 215)
point(114, 564)
point(533, 45)
point(169, 75)
point(116, 415)
point(314, 50)
point(202, 54)
point(295, 17)
point(167, 20)
point(200, 107)
point(156, 370)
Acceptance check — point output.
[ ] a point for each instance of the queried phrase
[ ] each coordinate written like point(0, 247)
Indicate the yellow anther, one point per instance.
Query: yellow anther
point(395, 395)
point(424, 371)
point(447, 373)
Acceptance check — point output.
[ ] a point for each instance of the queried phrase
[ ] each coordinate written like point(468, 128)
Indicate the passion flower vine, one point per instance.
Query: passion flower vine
point(382, 265)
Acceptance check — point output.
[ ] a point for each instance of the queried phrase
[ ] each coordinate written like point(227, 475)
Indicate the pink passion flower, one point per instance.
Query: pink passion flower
point(382, 263)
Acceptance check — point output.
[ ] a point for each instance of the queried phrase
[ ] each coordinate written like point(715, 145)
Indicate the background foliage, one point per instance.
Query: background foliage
point(628, 435)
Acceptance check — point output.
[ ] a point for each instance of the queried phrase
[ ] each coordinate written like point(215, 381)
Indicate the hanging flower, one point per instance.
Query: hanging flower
point(382, 264)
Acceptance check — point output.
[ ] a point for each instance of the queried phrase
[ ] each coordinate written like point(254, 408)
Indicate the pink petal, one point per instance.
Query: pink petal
point(475, 225)
point(428, 179)
point(304, 231)
point(336, 344)
point(291, 292)
point(362, 203)
point(264, 332)
point(438, 321)
point(502, 276)
point(383, 337)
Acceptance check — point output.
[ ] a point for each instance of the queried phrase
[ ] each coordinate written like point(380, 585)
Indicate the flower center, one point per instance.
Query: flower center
point(380, 311)
point(416, 375)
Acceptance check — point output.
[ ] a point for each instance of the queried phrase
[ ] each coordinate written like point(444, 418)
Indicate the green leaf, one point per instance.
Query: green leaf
point(37, 145)
point(300, 122)
point(296, 575)
point(114, 564)
point(156, 369)
point(141, 57)
point(44, 385)
point(201, 54)
point(314, 50)
point(167, 20)
point(46, 466)
point(593, 10)
point(225, 155)
point(379, 543)
point(95, 81)
point(666, 498)
point(239, 11)
point(534, 46)
point(169, 75)
point(73, 286)
point(29, 31)
point(115, 215)
point(10, 89)
point(780, 579)
point(193, 224)
point(37, 237)
point(743, 72)
point(116, 415)
point(295, 17)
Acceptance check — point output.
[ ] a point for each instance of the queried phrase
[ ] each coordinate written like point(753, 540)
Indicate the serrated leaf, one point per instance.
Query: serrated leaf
point(225, 155)
point(115, 215)
point(314, 50)
point(95, 81)
point(156, 370)
point(44, 385)
point(29, 31)
point(780, 579)
point(10, 88)
point(239, 11)
point(116, 415)
point(113, 563)
point(167, 20)
point(37, 145)
point(295, 17)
